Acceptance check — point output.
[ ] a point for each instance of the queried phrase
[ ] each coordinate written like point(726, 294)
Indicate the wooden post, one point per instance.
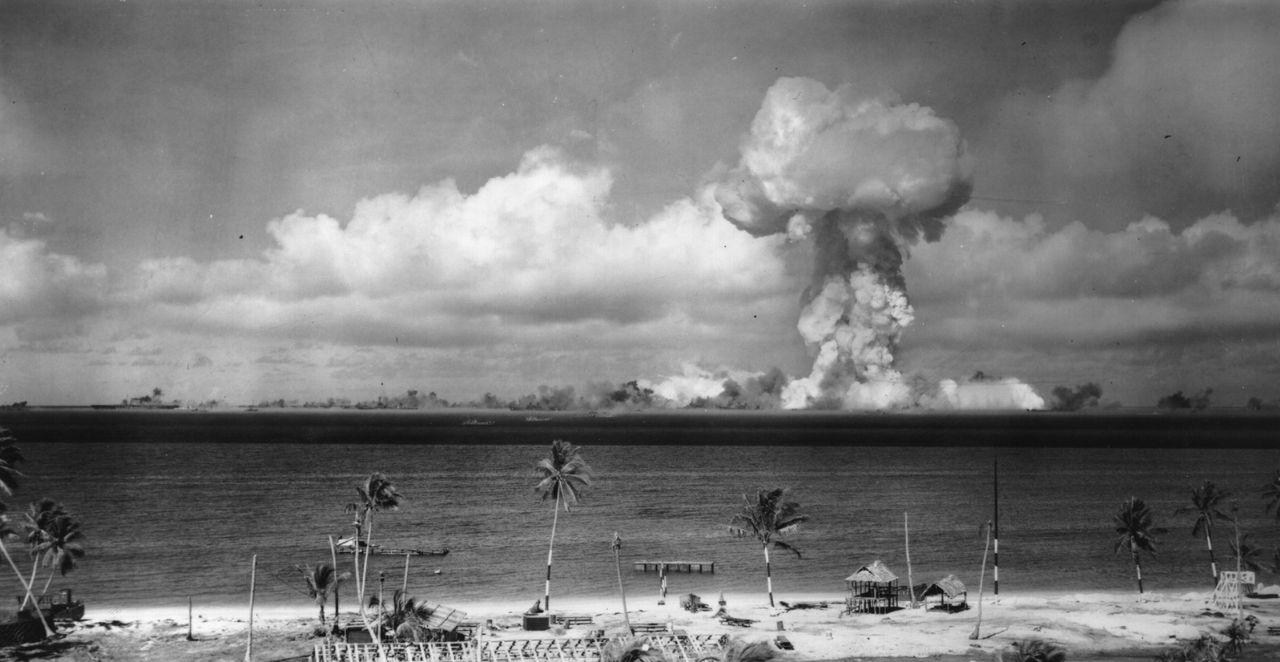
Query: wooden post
point(190, 637)
point(906, 534)
point(617, 563)
point(253, 579)
point(404, 586)
point(1235, 521)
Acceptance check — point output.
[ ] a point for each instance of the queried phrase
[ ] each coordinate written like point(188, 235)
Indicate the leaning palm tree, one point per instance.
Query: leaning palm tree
point(321, 580)
point(376, 494)
point(767, 517)
point(1271, 492)
point(1136, 531)
point(562, 478)
point(1205, 504)
point(1035, 650)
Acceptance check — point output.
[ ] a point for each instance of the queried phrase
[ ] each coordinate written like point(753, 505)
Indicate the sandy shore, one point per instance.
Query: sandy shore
point(1088, 625)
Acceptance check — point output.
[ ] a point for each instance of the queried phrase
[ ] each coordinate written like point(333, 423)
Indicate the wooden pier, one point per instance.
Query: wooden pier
point(699, 567)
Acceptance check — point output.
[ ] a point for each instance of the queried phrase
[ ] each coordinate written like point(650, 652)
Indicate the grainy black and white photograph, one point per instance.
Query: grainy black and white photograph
point(645, 331)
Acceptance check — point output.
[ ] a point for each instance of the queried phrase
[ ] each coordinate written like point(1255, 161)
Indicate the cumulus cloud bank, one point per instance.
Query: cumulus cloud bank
point(1180, 125)
point(994, 279)
point(38, 282)
point(528, 257)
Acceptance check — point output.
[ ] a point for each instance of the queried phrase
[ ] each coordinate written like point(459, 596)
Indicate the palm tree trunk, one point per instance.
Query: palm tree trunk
point(35, 567)
point(906, 537)
point(554, 519)
point(21, 580)
point(47, 582)
point(768, 575)
point(1208, 541)
point(333, 554)
point(1137, 565)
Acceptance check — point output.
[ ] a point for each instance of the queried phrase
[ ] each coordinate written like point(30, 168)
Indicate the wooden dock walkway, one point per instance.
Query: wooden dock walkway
point(676, 566)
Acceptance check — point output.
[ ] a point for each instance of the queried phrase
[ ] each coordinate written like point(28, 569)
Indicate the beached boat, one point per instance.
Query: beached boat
point(348, 546)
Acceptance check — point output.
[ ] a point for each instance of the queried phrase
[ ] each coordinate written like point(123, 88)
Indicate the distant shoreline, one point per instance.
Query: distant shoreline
point(1235, 429)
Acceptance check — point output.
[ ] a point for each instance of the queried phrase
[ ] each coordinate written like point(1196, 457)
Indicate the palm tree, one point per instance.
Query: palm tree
point(405, 618)
point(1136, 531)
point(321, 581)
point(766, 518)
point(37, 520)
point(1205, 501)
point(1271, 492)
point(10, 456)
point(60, 550)
point(1250, 556)
point(1036, 650)
point(376, 494)
point(562, 478)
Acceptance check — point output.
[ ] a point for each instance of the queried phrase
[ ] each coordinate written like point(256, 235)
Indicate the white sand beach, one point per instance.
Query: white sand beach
point(1085, 624)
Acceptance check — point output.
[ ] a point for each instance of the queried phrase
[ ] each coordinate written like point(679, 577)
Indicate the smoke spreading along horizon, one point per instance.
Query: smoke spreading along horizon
point(863, 179)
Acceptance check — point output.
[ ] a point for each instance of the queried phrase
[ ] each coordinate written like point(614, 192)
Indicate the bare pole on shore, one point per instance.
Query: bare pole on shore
point(253, 580)
point(617, 564)
point(906, 535)
point(995, 549)
point(981, 581)
point(190, 610)
point(404, 586)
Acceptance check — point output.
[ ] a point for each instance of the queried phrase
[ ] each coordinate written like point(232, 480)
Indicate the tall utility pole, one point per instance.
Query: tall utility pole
point(995, 547)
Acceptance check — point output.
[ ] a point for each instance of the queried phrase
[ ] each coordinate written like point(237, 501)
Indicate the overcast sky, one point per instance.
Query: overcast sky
point(303, 200)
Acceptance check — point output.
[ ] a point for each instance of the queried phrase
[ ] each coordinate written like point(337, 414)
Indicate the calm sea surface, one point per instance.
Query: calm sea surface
point(176, 503)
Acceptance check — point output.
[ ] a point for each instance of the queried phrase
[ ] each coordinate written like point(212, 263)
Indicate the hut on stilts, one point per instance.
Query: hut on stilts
point(873, 589)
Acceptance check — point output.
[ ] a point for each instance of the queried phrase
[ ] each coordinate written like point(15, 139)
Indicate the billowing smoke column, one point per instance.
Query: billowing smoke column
point(863, 179)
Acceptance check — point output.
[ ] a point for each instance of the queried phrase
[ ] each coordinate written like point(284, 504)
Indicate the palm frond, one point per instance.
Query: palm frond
point(10, 456)
point(564, 475)
point(737, 650)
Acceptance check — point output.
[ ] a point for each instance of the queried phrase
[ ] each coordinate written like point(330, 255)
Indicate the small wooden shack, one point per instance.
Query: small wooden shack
point(950, 592)
point(873, 589)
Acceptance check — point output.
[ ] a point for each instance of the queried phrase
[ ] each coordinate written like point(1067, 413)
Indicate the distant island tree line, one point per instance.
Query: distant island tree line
point(760, 392)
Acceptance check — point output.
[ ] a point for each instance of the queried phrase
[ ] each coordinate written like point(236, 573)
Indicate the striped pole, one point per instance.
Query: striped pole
point(995, 544)
point(768, 574)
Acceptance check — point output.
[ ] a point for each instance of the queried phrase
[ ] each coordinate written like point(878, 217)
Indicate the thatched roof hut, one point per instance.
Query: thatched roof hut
point(873, 588)
point(950, 592)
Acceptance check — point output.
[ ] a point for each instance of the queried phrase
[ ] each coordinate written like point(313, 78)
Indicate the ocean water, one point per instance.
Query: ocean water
point(175, 503)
